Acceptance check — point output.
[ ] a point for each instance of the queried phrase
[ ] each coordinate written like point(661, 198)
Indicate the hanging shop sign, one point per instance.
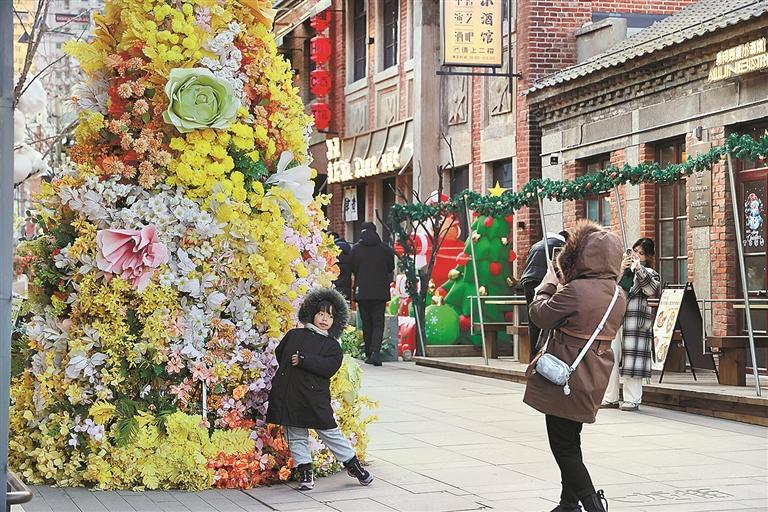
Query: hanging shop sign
point(740, 60)
point(472, 33)
point(350, 204)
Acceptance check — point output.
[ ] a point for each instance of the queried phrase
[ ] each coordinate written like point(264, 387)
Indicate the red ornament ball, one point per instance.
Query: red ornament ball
point(510, 219)
point(494, 268)
point(509, 316)
point(464, 323)
point(488, 222)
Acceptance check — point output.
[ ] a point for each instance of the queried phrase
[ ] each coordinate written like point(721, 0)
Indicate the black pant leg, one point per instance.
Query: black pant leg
point(364, 306)
point(533, 330)
point(378, 308)
point(565, 442)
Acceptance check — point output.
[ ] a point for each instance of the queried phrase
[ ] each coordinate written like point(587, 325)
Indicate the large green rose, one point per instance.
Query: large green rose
point(198, 99)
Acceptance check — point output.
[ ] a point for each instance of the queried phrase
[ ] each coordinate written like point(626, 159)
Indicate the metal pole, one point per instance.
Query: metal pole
point(6, 230)
point(544, 228)
point(621, 216)
point(477, 287)
point(743, 272)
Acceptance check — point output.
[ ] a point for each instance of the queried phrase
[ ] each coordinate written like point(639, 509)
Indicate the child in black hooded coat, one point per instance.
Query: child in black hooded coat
point(300, 397)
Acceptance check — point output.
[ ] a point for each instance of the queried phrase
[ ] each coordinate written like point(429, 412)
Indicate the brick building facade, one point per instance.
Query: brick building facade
point(650, 99)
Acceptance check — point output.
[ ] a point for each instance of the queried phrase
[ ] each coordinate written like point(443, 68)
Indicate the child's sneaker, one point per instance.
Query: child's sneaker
point(356, 470)
point(306, 479)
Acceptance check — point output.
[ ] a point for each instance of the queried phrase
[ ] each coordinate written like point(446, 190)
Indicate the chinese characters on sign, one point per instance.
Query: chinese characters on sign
point(342, 170)
point(472, 33)
point(350, 204)
point(740, 60)
point(700, 194)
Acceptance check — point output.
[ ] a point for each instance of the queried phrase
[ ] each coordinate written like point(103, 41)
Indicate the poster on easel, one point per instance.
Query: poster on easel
point(664, 324)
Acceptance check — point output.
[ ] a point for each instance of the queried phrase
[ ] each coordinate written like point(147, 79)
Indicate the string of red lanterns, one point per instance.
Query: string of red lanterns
point(320, 80)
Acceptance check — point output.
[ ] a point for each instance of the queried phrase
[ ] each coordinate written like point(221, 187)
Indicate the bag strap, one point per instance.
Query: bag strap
point(597, 331)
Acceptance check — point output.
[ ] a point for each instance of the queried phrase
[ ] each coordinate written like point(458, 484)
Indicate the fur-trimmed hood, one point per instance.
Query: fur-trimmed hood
point(340, 310)
point(590, 252)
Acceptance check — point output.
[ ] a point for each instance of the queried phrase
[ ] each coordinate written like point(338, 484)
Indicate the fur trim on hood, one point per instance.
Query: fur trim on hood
point(340, 310)
point(590, 252)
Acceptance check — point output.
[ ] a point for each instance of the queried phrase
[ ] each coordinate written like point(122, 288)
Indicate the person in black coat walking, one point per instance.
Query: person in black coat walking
point(343, 283)
point(535, 270)
point(372, 264)
point(300, 397)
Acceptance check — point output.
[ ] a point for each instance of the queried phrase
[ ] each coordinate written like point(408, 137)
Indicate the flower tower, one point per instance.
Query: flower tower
point(172, 259)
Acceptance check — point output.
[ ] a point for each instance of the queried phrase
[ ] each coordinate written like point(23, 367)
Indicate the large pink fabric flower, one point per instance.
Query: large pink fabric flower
point(130, 253)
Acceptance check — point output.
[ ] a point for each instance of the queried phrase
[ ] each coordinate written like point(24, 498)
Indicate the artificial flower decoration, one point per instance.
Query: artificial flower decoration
point(296, 179)
point(131, 253)
point(169, 262)
point(198, 99)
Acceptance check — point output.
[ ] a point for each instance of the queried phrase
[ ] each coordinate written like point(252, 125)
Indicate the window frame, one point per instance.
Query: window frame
point(677, 256)
point(497, 165)
point(601, 200)
point(359, 40)
point(390, 28)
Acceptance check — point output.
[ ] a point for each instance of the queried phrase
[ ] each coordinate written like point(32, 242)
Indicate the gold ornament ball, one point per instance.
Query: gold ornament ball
point(511, 281)
point(454, 274)
point(482, 291)
point(504, 241)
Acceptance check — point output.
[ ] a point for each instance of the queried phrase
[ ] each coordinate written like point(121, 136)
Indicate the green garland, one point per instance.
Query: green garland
point(586, 185)
point(582, 187)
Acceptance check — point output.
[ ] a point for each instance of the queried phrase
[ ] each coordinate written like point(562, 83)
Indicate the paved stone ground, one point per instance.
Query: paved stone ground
point(451, 442)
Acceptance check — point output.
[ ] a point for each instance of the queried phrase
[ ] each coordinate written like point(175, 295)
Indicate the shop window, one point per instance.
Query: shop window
point(503, 173)
point(598, 208)
point(753, 193)
point(359, 39)
point(460, 182)
point(672, 218)
point(391, 22)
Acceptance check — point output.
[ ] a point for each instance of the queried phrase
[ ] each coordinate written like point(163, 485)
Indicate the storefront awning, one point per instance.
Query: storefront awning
point(381, 151)
point(292, 13)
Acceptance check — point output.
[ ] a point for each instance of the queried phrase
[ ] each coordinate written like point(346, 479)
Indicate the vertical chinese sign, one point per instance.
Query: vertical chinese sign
point(472, 33)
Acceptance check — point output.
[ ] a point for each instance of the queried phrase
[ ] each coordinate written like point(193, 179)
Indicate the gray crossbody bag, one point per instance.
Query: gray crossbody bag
point(558, 371)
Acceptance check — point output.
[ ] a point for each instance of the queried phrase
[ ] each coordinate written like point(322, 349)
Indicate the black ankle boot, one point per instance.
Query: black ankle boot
point(594, 502)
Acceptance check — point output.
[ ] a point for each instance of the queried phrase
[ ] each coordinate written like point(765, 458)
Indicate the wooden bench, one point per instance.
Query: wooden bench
point(523, 342)
point(732, 352)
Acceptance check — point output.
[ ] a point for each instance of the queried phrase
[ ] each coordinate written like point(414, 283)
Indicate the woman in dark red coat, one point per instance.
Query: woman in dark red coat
point(301, 397)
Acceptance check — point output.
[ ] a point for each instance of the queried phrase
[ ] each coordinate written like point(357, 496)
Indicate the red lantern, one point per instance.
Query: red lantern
point(322, 114)
point(320, 82)
point(319, 49)
point(321, 21)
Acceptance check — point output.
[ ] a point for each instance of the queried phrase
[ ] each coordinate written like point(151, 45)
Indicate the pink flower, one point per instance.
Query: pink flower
point(130, 253)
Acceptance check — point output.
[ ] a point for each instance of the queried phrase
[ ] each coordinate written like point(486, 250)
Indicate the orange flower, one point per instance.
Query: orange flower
point(240, 391)
point(284, 474)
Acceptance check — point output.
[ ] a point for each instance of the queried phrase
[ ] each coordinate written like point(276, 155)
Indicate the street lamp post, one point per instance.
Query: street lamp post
point(6, 231)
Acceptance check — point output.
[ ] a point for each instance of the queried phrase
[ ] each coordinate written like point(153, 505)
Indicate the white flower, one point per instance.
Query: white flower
point(296, 180)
